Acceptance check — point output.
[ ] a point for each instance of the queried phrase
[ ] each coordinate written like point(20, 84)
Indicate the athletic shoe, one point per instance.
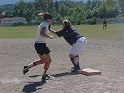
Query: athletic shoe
point(25, 70)
point(72, 68)
point(75, 70)
point(45, 77)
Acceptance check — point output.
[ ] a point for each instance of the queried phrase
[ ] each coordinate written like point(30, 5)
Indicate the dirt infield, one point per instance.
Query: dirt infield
point(102, 54)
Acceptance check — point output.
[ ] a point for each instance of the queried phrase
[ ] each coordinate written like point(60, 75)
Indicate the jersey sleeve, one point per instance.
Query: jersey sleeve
point(44, 24)
point(60, 33)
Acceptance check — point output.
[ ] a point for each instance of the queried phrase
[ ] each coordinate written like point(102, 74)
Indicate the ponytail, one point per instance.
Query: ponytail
point(67, 23)
point(46, 15)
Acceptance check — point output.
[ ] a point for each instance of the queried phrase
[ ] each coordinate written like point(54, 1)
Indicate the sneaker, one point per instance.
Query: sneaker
point(45, 77)
point(75, 70)
point(25, 70)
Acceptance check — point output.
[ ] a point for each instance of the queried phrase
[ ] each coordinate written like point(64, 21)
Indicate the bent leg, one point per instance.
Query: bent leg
point(38, 62)
point(47, 61)
point(43, 59)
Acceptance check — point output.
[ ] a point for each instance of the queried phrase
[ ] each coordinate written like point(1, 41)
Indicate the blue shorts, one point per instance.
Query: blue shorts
point(41, 48)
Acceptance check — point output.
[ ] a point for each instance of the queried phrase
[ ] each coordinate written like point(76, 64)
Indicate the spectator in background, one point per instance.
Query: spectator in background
point(104, 24)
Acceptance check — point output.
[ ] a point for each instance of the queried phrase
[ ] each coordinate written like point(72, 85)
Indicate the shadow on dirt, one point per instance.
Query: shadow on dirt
point(57, 75)
point(31, 87)
point(64, 74)
point(33, 76)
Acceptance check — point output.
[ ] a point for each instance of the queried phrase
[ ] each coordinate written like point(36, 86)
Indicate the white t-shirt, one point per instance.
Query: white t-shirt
point(39, 38)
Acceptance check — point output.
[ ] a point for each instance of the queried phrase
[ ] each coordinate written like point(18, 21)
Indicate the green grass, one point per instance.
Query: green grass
point(90, 31)
point(18, 32)
point(96, 31)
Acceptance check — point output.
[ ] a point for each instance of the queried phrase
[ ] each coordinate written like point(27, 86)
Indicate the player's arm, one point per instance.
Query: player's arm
point(52, 31)
point(58, 33)
point(42, 33)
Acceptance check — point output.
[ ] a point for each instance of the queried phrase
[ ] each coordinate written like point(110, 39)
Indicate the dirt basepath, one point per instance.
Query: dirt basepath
point(104, 55)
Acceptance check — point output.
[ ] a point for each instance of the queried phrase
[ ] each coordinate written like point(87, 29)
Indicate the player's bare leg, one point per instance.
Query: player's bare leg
point(75, 61)
point(38, 62)
point(47, 59)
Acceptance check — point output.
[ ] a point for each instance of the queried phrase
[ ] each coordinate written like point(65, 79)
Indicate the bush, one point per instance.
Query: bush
point(78, 22)
point(92, 21)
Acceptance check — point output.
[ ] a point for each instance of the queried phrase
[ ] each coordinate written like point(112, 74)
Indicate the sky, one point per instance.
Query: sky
point(14, 1)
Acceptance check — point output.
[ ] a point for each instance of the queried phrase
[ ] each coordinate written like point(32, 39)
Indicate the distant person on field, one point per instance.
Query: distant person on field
point(40, 45)
point(104, 24)
point(76, 40)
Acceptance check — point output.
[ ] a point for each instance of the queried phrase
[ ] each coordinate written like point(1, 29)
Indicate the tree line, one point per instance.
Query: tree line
point(79, 12)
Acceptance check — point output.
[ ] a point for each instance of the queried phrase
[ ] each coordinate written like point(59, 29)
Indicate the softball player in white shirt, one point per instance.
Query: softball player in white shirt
point(41, 47)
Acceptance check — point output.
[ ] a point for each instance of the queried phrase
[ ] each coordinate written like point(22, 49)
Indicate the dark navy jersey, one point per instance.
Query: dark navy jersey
point(69, 34)
point(104, 22)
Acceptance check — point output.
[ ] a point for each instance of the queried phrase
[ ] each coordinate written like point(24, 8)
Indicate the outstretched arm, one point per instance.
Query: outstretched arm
point(58, 33)
point(52, 31)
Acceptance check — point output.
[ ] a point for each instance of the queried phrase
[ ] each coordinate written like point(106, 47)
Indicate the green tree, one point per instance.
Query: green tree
point(108, 9)
point(7, 9)
point(121, 6)
point(77, 12)
point(45, 5)
point(24, 9)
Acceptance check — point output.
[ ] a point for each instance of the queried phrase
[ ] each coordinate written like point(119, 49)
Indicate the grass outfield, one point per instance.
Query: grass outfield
point(90, 31)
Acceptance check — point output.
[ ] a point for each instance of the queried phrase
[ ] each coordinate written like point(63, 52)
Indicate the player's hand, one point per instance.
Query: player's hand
point(51, 37)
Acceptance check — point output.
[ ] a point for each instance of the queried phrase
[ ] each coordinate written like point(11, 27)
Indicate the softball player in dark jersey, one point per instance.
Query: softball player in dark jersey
point(104, 24)
point(76, 40)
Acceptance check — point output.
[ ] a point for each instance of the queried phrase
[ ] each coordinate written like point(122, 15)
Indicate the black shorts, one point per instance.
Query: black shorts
point(41, 48)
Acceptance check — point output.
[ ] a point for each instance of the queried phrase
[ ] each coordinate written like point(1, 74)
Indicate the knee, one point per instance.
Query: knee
point(73, 55)
point(47, 63)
